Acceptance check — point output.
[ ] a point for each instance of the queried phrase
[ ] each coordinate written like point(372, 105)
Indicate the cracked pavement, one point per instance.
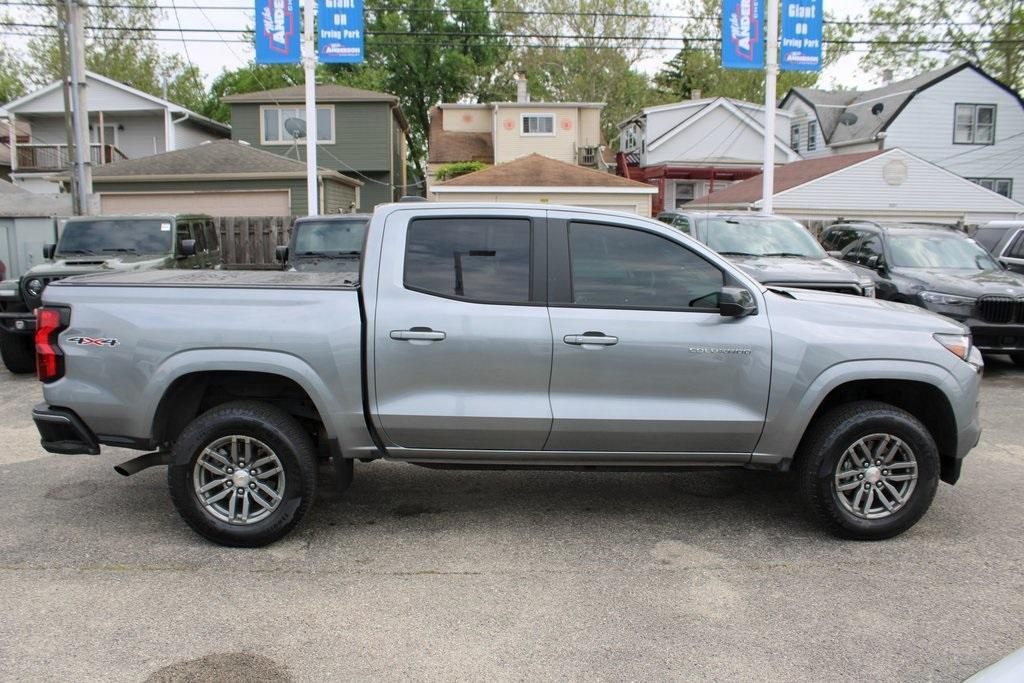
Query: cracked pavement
point(439, 575)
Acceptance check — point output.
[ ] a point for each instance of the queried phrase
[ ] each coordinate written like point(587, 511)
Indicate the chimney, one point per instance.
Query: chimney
point(522, 95)
point(695, 94)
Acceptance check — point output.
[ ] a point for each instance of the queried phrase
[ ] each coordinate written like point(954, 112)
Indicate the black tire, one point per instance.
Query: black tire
point(1017, 358)
point(18, 352)
point(828, 439)
point(268, 424)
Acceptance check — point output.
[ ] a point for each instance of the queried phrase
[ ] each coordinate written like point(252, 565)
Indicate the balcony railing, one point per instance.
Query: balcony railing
point(39, 157)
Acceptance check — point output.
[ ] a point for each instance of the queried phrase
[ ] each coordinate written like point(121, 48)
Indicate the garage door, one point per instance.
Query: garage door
point(244, 203)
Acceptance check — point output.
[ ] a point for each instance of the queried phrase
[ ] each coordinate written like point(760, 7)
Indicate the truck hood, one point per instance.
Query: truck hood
point(792, 270)
point(78, 265)
point(972, 283)
point(859, 315)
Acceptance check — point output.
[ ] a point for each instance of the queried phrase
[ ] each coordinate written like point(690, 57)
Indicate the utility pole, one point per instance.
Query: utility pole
point(79, 106)
point(309, 67)
point(771, 72)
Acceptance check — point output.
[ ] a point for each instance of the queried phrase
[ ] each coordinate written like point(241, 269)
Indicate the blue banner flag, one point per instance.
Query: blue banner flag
point(801, 35)
point(340, 31)
point(277, 31)
point(743, 34)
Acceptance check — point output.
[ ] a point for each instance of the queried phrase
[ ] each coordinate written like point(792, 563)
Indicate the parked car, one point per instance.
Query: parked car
point(942, 270)
point(774, 250)
point(1005, 241)
point(101, 243)
point(502, 335)
point(325, 243)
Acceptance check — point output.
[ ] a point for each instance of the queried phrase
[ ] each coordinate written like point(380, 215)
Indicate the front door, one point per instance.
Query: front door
point(462, 340)
point(643, 361)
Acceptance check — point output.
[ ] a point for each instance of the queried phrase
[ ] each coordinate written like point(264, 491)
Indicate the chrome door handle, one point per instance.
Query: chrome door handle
point(596, 338)
point(418, 334)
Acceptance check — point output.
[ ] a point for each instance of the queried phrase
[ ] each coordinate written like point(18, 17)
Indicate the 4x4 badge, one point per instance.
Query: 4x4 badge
point(92, 341)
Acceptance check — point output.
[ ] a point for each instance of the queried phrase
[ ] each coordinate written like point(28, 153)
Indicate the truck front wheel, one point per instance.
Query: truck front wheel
point(243, 474)
point(18, 352)
point(867, 470)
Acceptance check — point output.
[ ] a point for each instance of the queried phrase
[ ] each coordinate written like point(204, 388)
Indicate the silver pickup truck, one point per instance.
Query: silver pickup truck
point(491, 336)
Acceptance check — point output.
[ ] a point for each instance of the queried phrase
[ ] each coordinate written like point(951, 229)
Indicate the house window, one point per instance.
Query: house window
point(1003, 186)
point(630, 138)
point(812, 136)
point(685, 192)
point(794, 137)
point(274, 129)
point(537, 124)
point(974, 124)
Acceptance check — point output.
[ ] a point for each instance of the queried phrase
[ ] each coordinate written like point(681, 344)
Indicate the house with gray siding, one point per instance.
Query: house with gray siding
point(360, 133)
point(957, 117)
point(124, 123)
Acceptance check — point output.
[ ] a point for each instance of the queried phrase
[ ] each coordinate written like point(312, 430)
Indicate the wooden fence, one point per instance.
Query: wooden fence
point(251, 240)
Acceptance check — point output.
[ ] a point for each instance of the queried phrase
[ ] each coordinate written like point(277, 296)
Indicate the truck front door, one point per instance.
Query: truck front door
point(462, 340)
point(643, 360)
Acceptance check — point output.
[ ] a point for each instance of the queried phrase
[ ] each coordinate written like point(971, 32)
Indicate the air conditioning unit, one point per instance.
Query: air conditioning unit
point(588, 156)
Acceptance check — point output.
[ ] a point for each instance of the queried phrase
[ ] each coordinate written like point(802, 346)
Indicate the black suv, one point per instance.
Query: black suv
point(940, 269)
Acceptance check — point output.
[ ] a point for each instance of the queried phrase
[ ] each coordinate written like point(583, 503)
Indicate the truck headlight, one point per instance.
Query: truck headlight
point(957, 344)
point(948, 303)
point(34, 288)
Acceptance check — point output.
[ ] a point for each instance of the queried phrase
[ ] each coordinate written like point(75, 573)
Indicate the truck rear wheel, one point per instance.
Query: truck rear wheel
point(18, 352)
point(868, 470)
point(243, 474)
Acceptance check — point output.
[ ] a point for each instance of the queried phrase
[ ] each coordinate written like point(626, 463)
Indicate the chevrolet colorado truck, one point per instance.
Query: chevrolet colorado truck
point(504, 336)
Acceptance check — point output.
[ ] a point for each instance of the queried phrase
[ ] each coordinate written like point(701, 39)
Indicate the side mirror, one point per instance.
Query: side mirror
point(835, 254)
point(736, 302)
point(49, 250)
point(281, 253)
point(187, 248)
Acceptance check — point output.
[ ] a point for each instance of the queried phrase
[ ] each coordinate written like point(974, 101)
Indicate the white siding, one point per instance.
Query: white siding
point(925, 128)
point(719, 136)
point(98, 95)
point(926, 192)
point(187, 134)
point(802, 115)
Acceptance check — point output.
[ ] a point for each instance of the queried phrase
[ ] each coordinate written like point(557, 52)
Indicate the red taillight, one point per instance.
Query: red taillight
point(50, 322)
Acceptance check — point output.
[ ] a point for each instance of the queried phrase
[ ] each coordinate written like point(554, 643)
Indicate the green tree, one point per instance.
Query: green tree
point(11, 67)
point(989, 33)
point(123, 49)
point(697, 66)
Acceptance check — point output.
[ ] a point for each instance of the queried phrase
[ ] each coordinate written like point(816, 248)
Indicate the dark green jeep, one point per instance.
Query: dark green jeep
point(92, 244)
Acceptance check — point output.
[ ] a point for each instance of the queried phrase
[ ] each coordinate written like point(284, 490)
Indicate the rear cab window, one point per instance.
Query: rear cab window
point(483, 260)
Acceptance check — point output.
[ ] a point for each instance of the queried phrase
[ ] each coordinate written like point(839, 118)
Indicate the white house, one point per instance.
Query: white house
point(890, 184)
point(124, 123)
point(958, 117)
point(691, 148)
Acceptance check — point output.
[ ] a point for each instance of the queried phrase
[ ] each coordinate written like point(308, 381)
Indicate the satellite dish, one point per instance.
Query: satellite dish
point(877, 109)
point(295, 127)
point(847, 118)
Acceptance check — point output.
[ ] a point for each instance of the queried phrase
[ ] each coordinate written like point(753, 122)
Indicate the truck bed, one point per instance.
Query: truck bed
point(247, 279)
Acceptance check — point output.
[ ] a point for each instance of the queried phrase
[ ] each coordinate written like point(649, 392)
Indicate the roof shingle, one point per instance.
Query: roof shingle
point(536, 170)
point(446, 146)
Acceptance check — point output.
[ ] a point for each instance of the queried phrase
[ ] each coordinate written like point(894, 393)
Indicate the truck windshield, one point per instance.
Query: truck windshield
point(761, 237)
point(938, 251)
point(121, 235)
point(330, 237)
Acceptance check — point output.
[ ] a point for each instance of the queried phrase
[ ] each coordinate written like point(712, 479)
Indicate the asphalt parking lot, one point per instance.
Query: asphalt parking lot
point(420, 574)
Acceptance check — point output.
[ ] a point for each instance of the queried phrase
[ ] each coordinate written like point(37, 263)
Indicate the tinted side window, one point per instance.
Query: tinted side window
point(197, 230)
point(837, 239)
point(870, 247)
point(989, 237)
point(614, 266)
point(480, 259)
point(1016, 248)
point(184, 233)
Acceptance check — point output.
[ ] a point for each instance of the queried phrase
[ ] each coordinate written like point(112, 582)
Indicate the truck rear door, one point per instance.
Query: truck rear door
point(462, 339)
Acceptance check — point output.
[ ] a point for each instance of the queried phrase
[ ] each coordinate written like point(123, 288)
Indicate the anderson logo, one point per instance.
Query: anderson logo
point(744, 29)
point(720, 350)
point(92, 341)
point(278, 25)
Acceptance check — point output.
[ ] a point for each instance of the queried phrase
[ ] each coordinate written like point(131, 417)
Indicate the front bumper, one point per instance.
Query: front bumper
point(62, 431)
point(992, 338)
point(18, 323)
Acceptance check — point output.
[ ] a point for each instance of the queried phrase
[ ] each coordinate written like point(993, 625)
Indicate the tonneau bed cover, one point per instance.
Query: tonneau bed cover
point(216, 278)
